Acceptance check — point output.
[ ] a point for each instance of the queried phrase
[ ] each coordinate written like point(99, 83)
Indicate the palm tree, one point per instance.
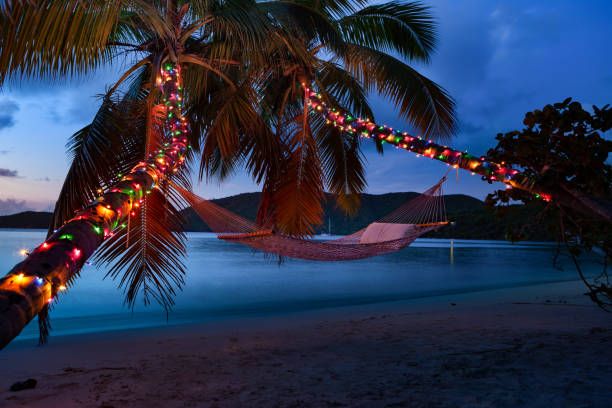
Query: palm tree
point(314, 157)
point(219, 79)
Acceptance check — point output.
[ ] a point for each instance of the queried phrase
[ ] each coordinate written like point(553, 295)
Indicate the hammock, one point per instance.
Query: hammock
point(391, 233)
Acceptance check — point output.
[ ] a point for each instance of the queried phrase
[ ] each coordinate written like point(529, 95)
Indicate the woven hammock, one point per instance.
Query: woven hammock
point(395, 231)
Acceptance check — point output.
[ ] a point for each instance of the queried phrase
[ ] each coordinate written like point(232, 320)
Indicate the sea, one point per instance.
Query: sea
point(226, 280)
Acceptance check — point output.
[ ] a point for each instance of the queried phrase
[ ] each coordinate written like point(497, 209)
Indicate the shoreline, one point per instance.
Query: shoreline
point(186, 317)
point(500, 348)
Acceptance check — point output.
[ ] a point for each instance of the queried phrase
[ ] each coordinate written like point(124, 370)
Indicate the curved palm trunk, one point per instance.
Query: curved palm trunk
point(35, 282)
point(490, 171)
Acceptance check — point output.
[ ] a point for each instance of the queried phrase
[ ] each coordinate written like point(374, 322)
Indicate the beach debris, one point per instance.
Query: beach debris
point(23, 385)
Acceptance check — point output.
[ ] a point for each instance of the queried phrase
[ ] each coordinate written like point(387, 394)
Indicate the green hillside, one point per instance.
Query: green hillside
point(472, 220)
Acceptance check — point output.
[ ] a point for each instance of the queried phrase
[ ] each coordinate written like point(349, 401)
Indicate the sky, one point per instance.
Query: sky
point(498, 60)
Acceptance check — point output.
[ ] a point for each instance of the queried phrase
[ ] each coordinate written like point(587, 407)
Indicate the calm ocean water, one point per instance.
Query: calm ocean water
point(225, 280)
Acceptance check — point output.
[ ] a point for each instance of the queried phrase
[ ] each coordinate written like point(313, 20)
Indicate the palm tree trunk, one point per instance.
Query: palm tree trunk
point(489, 170)
point(49, 269)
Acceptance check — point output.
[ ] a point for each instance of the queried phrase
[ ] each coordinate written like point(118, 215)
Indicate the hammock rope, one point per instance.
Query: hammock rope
point(393, 232)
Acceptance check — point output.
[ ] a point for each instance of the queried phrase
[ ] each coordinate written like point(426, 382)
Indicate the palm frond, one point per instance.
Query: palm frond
point(233, 130)
point(148, 17)
point(130, 30)
point(308, 23)
point(47, 38)
point(146, 254)
point(342, 89)
point(342, 163)
point(207, 65)
point(292, 198)
point(405, 28)
point(138, 82)
point(334, 9)
point(130, 73)
point(237, 27)
point(426, 105)
point(106, 147)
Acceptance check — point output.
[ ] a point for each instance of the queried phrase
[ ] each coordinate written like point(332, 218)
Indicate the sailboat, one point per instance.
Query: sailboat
point(328, 233)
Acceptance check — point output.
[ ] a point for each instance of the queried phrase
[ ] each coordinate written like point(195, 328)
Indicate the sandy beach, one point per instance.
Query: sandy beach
point(536, 346)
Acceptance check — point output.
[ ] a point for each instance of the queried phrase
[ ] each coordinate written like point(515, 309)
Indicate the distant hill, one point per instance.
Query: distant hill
point(472, 220)
point(27, 219)
point(372, 208)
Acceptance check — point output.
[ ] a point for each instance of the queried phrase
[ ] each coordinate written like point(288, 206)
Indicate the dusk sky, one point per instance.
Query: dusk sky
point(498, 59)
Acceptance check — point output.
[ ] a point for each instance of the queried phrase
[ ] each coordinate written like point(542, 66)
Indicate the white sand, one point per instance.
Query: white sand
point(487, 351)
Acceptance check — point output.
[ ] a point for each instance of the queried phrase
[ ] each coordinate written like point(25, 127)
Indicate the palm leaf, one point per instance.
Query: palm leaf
point(236, 26)
point(334, 9)
point(146, 17)
point(291, 198)
point(307, 22)
point(342, 89)
point(342, 163)
point(233, 131)
point(405, 28)
point(427, 106)
point(46, 38)
point(147, 255)
point(110, 145)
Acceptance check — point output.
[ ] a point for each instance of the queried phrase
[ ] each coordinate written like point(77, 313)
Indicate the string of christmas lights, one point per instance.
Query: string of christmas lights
point(48, 268)
point(489, 170)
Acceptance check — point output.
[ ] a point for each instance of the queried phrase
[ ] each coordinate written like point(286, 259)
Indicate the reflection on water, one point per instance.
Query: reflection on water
point(225, 279)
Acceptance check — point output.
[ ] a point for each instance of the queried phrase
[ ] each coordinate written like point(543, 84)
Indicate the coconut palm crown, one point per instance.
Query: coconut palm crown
point(243, 65)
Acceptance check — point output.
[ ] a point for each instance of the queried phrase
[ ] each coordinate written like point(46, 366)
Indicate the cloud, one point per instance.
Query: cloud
point(80, 109)
point(5, 151)
point(67, 101)
point(8, 108)
point(8, 173)
point(12, 206)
